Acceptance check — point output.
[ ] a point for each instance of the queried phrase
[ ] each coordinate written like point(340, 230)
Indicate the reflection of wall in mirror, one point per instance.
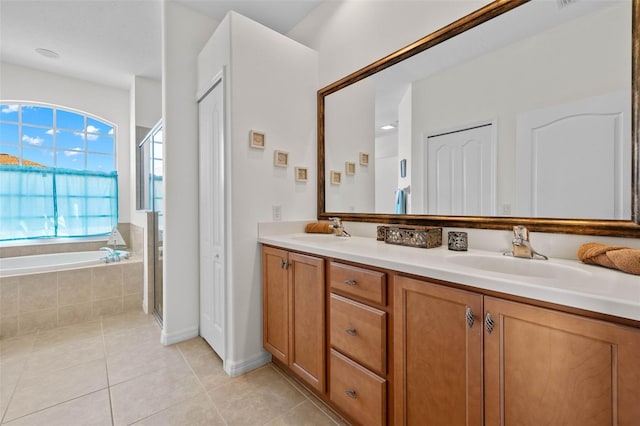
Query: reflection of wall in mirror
point(405, 151)
point(350, 111)
point(386, 174)
point(519, 78)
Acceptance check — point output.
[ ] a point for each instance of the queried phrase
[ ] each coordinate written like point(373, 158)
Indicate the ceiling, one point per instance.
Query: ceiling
point(109, 41)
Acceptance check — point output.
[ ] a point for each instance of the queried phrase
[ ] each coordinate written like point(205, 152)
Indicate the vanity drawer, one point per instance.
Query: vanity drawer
point(360, 282)
point(359, 331)
point(357, 391)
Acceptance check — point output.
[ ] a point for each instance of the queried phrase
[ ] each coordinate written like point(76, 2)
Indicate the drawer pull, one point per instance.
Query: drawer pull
point(350, 282)
point(351, 393)
point(351, 331)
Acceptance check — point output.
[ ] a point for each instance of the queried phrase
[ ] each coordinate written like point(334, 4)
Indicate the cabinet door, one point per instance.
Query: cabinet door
point(549, 368)
point(438, 354)
point(307, 319)
point(275, 303)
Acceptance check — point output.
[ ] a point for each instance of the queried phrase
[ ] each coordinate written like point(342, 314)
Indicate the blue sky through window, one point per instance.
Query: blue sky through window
point(9, 112)
point(77, 141)
point(9, 133)
point(42, 116)
point(69, 120)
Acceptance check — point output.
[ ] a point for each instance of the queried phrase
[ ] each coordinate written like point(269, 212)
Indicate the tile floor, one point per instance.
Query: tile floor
point(114, 371)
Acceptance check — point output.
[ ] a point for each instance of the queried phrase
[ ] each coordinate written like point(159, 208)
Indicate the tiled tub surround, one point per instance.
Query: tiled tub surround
point(42, 301)
point(132, 234)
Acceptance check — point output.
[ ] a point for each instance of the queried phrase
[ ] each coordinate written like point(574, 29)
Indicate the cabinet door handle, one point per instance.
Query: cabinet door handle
point(350, 282)
point(351, 393)
point(470, 317)
point(351, 331)
point(489, 323)
point(284, 264)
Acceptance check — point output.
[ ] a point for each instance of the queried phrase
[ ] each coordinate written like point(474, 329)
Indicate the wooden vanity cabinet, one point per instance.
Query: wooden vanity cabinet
point(358, 358)
point(540, 366)
point(293, 291)
point(409, 351)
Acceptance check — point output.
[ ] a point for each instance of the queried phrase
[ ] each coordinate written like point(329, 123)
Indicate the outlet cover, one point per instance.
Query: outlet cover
point(276, 212)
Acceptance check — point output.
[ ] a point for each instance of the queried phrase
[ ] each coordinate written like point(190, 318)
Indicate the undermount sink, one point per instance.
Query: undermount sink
point(516, 266)
point(318, 238)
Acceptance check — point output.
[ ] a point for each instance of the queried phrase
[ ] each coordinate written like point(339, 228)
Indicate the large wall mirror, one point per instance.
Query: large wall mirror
point(523, 112)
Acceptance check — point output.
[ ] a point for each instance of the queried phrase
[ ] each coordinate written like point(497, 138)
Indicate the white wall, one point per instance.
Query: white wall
point(351, 113)
point(26, 84)
point(184, 32)
point(405, 126)
point(271, 84)
point(351, 34)
point(387, 172)
point(145, 98)
point(148, 105)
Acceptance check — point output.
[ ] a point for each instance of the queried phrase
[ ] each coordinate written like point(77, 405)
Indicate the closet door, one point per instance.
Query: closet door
point(212, 218)
point(459, 173)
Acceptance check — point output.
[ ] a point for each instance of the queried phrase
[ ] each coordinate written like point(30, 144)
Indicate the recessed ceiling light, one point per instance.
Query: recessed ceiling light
point(47, 53)
point(388, 127)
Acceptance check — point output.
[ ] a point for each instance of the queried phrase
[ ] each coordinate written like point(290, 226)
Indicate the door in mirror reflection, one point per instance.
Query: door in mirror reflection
point(459, 178)
point(572, 154)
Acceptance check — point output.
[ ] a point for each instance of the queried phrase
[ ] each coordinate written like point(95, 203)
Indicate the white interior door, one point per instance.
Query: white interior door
point(212, 218)
point(460, 172)
point(587, 137)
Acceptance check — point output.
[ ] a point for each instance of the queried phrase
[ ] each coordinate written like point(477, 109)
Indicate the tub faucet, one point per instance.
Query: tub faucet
point(338, 227)
point(522, 245)
point(112, 255)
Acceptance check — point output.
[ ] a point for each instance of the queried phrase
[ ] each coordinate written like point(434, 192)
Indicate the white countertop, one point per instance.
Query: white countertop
point(582, 286)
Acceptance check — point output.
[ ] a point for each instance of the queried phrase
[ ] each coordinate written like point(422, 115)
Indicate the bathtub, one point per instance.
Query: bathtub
point(45, 291)
point(51, 262)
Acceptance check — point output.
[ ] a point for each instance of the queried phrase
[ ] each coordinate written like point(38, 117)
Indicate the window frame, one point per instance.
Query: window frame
point(56, 130)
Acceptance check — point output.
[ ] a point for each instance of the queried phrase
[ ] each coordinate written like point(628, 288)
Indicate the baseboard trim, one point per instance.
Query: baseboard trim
point(236, 368)
point(178, 336)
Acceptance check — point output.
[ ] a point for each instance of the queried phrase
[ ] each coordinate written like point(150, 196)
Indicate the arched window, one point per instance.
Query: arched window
point(57, 172)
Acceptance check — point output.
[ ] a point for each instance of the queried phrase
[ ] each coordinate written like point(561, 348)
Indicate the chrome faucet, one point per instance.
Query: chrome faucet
point(522, 246)
point(112, 255)
point(338, 227)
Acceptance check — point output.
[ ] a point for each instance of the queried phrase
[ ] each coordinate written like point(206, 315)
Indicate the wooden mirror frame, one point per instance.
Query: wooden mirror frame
point(617, 228)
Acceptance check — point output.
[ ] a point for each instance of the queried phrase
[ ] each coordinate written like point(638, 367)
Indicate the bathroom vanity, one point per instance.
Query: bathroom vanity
point(397, 335)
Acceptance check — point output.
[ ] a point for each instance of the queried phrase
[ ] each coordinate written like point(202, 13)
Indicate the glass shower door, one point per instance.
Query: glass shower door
point(150, 198)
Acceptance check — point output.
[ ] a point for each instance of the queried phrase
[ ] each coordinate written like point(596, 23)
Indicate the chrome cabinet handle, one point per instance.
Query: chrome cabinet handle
point(284, 264)
point(489, 323)
point(470, 317)
point(350, 282)
point(351, 393)
point(351, 331)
